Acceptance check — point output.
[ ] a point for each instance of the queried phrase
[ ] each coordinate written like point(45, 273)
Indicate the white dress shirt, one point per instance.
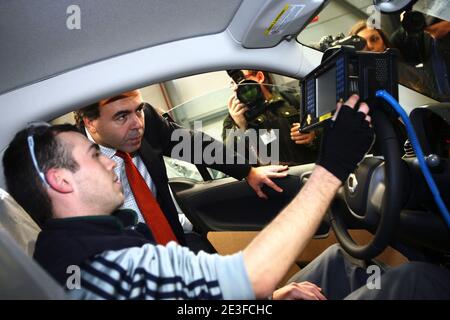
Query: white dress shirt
point(130, 202)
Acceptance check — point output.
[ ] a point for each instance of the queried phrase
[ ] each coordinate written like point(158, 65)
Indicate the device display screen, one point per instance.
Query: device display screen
point(326, 92)
point(345, 71)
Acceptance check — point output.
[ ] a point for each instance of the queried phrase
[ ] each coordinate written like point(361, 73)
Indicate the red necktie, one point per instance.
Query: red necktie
point(153, 215)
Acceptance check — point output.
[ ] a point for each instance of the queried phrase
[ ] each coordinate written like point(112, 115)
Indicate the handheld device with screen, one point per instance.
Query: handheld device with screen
point(343, 73)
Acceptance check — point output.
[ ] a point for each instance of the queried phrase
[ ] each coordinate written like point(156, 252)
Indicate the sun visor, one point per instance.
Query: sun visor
point(263, 24)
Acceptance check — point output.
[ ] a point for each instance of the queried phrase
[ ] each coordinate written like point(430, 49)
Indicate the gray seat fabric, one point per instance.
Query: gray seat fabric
point(17, 223)
point(20, 276)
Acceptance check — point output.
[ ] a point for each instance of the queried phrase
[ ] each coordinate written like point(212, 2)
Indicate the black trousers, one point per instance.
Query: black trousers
point(343, 277)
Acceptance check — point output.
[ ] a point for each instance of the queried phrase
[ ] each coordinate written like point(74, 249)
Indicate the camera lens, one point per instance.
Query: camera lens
point(248, 92)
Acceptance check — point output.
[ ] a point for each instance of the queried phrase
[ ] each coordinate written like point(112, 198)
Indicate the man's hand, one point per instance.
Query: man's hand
point(257, 177)
point(237, 110)
point(346, 139)
point(299, 291)
point(301, 138)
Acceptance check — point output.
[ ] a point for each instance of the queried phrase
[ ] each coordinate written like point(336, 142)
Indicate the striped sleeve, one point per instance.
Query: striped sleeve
point(163, 272)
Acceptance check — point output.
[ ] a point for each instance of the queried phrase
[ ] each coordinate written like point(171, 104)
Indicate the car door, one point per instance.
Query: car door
point(230, 205)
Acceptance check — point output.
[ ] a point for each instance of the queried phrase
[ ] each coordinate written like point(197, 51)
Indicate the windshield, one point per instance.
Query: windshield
point(421, 35)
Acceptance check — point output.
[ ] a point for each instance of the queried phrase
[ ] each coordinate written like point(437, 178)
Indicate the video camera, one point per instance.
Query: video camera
point(411, 39)
point(329, 41)
point(344, 72)
point(249, 93)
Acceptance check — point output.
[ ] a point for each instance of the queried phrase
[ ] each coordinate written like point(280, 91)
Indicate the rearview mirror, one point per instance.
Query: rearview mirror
point(393, 6)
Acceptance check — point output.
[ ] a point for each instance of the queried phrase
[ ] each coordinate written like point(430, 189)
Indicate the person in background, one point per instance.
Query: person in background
point(278, 109)
point(376, 39)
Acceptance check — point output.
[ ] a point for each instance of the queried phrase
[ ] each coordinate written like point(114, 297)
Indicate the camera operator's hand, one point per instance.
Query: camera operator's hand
point(237, 111)
point(299, 137)
point(346, 139)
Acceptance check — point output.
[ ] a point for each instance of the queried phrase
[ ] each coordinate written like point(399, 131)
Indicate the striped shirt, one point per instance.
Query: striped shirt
point(163, 272)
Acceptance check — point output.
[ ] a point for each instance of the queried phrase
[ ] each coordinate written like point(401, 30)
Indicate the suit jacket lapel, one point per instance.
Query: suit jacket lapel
point(152, 159)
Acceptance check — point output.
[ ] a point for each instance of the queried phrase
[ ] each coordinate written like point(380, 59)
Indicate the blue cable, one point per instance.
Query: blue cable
point(419, 153)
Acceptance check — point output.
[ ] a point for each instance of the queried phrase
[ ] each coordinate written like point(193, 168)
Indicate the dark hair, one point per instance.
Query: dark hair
point(362, 24)
point(22, 180)
point(92, 111)
point(267, 78)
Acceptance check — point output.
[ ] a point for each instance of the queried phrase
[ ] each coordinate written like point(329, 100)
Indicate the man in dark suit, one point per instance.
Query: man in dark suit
point(125, 123)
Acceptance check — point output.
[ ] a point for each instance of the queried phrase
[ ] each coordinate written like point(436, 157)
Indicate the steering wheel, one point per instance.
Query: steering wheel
point(372, 194)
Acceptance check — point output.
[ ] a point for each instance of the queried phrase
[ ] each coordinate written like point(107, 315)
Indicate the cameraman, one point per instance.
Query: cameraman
point(274, 109)
point(424, 42)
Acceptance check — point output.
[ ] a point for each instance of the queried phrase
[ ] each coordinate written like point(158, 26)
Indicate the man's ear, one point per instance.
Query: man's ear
point(260, 76)
point(90, 124)
point(59, 180)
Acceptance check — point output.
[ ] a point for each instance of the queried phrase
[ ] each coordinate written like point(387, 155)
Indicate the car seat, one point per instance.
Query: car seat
point(20, 276)
point(17, 223)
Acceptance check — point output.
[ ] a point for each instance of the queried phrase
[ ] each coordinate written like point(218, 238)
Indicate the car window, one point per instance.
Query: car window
point(177, 168)
point(205, 112)
point(259, 130)
point(200, 102)
point(421, 35)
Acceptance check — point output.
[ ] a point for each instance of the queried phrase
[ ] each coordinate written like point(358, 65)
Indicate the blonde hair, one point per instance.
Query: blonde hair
point(362, 24)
